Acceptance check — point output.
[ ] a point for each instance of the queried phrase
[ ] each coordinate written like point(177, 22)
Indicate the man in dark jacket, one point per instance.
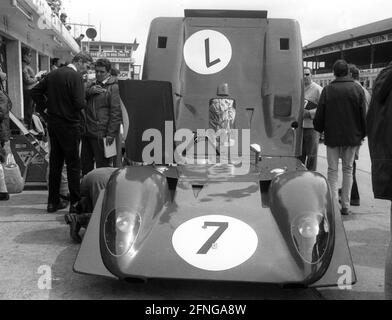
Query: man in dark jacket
point(61, 92)
point(103, 117)
point(379, 120)
point(341, 116)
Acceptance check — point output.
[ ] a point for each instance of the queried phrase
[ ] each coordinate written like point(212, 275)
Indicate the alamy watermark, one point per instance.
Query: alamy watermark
point(346, 279)
point(45, 280)
point(204, 146)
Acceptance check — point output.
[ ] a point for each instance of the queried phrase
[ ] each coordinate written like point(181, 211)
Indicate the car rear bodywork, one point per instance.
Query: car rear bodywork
point(275, 222)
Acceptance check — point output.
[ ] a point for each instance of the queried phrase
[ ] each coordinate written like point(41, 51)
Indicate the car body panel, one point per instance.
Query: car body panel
point(274, 261)
point(257, 75)
point(89, 260)
point(272, 222)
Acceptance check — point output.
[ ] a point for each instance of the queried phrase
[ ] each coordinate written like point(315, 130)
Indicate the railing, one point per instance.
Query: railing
point(360, 67)
point(48, 20)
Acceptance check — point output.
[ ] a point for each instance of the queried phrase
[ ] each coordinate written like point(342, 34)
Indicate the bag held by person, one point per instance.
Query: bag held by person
point(13, 177)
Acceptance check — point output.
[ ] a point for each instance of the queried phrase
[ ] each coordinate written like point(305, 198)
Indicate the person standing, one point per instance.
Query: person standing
point(341, 116)
point(55, 64)
point(355, 199)
point(103, 117)
point(311, 137)
point(29, 81)
point(61, 92)
point(5, 107)
point(379, 119)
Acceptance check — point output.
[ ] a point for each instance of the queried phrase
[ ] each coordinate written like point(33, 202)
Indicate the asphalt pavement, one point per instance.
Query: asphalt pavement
point(35, 245)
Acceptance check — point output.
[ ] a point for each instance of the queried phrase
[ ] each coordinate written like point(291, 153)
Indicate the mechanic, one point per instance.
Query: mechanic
point(379, 119)
point(90, 188)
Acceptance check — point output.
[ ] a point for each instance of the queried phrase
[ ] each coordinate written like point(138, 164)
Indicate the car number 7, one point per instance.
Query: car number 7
point(222, 226)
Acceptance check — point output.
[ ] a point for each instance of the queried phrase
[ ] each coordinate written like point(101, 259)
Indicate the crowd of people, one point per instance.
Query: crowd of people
point(82, 119)
point(345, 113)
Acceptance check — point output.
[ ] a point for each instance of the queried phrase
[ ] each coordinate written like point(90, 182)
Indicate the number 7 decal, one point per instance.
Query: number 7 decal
point(222, 226)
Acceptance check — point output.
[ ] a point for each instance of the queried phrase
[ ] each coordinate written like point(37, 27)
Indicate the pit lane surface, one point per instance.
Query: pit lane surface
point(30, 238)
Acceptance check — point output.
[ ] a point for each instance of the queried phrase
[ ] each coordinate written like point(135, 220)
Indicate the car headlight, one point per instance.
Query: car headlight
point(120, 230)
point(310, 235)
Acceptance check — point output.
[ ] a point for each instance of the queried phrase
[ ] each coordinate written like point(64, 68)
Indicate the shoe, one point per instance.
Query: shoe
point(345, 212)
point(355, 202)
point(51, 208)
point(74, 227)
point(4, 196)
point(62, 204)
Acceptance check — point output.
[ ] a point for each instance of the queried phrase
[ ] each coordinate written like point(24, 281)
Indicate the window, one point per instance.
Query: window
point(106, 48)
point(162, 42)
point(94, 48)
point(284, 44)
point(123, 66)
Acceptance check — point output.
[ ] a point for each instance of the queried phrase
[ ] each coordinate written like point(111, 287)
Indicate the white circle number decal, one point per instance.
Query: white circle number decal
point(207, 52)
point(215, 243)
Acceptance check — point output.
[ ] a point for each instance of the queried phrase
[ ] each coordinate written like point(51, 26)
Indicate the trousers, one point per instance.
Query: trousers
point(310, 144)
point(64, 146)
point(347, 154)
point(93, 153)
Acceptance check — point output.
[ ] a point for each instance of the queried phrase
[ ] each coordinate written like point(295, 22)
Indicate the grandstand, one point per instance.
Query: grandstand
point(368, 46)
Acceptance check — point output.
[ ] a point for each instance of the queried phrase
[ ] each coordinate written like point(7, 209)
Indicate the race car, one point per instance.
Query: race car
point(214, 189)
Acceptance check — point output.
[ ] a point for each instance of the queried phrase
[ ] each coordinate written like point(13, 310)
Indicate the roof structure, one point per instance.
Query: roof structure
point(133, 44)
point(355, 33)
